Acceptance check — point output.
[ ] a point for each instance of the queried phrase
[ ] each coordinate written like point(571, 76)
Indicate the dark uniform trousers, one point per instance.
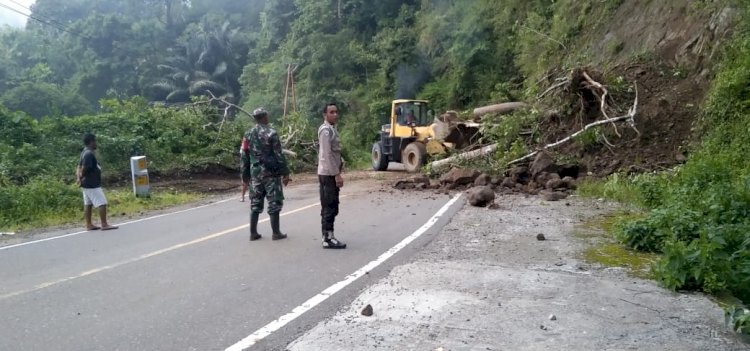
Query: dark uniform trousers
point(329, 202)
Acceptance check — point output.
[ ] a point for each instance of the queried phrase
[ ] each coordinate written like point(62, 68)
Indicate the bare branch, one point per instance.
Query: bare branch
point(630, 118)
point(560, 84)
point(603, 99)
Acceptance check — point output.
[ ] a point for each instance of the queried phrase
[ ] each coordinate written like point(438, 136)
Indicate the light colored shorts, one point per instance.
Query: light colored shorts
point(94, 197)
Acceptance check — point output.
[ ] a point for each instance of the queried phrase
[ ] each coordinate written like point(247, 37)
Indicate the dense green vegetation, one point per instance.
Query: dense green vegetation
point(117, 58)
point(698, 216)
point(83, 69)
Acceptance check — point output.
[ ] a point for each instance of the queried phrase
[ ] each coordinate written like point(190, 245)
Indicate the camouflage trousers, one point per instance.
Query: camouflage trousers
point(266, 188)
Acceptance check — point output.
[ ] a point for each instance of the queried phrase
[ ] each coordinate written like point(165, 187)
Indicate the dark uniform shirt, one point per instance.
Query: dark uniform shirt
point(264, 155)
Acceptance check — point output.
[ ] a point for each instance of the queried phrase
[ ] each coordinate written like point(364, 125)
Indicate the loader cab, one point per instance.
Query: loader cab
point(411, 113)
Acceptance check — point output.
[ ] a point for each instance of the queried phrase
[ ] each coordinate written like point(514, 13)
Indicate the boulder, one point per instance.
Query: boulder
point(520, 174)
point(458, 176)
point(543, 163)
point(570, 183)
point(481, 196)
point(483, 180)
point(555, 184)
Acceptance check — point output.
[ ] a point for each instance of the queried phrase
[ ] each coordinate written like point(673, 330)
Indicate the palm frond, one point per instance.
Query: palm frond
point(220, 69)
point(201, 86)
point(180, 95)
point(164, 86)
point(201, 75)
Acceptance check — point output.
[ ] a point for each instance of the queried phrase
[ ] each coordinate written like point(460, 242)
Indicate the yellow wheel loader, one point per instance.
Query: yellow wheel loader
point(413, 135)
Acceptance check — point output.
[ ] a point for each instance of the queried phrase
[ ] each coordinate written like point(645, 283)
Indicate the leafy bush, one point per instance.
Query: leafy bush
point(701, 216)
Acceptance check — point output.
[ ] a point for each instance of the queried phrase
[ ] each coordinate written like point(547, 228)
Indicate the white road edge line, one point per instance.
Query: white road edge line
point(117, 224)
point(269, 328)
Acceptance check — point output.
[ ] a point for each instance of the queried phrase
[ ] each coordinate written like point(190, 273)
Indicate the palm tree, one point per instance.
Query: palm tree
point(203, 62)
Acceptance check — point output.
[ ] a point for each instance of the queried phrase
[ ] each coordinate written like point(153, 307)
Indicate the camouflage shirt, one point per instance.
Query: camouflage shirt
point(263, 154)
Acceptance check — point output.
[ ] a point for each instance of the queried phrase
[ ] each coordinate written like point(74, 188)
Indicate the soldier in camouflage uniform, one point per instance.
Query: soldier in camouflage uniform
point(268, 173)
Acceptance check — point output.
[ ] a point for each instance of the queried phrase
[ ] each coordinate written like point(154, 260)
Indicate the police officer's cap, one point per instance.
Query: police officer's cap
point(259, 113)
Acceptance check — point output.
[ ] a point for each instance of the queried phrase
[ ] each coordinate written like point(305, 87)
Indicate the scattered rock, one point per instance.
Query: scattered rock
point(483, 180)
point(459, 176)
point(508, 183)
point(367, 311)
point(543, 163)
point(540, 237)
point(548, 195)
point(520, 174)
point(555, 184)
point(404, 185)
point(542, 327)
point(570, 182)
point(552, 317)
point(434, 184)
point(481, 196)
point(420, 179)
point(543, 178)
point(497, 180)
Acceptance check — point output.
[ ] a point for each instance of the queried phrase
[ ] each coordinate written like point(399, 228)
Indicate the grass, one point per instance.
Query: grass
point(122, 203)
point(616, 187)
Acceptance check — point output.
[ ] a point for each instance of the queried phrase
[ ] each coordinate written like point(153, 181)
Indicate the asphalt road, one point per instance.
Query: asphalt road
point(192, 281)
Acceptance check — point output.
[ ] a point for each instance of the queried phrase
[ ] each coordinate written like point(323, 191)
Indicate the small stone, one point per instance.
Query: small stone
point(540, 237)
point(542, 327)
point(367, 311)
point(552, 317)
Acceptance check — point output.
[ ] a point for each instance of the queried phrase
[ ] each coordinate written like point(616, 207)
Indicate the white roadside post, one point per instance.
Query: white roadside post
point(139, 175)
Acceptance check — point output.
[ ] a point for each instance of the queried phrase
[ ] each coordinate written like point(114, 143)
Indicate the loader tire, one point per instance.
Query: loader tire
point(414, 156)
point(379, 159)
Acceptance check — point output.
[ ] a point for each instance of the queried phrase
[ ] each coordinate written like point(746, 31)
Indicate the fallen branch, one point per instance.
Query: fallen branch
point(226, 115)
point(502, 108)
point(630, 118)
point(214, 98)
point(439, 164)
point(603, 99)
point(560, 84)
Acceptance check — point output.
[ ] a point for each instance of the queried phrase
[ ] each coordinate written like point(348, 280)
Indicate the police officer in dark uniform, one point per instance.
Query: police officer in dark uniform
point(330, 166)
point(269, 172)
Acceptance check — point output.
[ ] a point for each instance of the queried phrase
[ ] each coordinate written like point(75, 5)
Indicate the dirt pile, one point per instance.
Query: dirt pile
point(668, 50)
point(542, 177)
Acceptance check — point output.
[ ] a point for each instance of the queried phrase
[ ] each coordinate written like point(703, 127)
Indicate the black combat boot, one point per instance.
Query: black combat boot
point(254, 226)
point(330, 241)
point(277, 234)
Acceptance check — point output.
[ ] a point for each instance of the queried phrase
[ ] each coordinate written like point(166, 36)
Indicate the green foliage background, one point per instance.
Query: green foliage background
point(118, 55)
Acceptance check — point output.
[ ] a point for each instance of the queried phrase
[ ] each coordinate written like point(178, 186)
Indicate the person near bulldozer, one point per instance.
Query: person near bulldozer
point(269, 173)
point(330, 166)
